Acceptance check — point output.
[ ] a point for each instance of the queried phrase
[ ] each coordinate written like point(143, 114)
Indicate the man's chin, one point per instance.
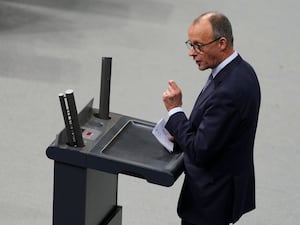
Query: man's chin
point(202, 68)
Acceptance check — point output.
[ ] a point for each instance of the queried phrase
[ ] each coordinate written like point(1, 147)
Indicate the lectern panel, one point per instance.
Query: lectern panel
point(135, 143)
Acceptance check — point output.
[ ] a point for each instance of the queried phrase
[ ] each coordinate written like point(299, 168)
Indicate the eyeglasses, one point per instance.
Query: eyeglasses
point(198, 46)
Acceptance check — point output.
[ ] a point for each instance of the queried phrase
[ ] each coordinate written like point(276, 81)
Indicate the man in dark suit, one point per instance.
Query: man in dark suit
point(218, 137)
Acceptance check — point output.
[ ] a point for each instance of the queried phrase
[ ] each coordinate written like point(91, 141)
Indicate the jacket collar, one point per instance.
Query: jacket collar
point(218, 79)
point(223, 64)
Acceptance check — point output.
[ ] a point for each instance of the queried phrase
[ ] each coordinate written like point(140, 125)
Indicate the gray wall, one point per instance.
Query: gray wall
point(48, 46)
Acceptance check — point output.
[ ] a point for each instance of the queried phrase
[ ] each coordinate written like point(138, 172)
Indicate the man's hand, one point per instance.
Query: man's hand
point(172, 97)
point(171, 138)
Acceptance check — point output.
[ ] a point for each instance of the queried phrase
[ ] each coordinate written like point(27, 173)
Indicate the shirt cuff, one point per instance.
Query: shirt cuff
point(175, 110)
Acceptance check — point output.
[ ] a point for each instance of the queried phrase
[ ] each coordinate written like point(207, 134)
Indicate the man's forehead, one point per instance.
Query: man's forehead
point(203, 25)
point(201, 29)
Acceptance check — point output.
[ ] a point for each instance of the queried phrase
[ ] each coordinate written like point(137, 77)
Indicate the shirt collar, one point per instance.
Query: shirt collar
point(216, 70)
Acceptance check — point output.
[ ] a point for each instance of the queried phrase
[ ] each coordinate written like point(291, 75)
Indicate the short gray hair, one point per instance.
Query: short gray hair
point(221, 25)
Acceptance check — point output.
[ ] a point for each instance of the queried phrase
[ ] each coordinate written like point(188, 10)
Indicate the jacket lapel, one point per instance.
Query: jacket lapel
point(205, 94)
point(215, 82)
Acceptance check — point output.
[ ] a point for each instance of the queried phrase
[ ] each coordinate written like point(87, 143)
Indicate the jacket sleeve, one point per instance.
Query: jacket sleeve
point(214, 130)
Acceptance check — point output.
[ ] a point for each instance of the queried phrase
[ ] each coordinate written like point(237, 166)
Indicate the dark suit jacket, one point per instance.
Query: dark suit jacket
point(217, 141)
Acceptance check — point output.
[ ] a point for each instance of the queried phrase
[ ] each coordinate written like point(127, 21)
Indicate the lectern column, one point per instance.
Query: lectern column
point(84, 196)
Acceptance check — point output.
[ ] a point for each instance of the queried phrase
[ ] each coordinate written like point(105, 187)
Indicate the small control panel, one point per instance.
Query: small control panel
point(90, 134)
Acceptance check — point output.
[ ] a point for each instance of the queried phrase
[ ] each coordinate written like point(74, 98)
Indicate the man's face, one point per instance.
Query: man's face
point(207, 56)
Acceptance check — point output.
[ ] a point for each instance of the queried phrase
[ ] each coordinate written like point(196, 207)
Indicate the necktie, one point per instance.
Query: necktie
point(210, 78)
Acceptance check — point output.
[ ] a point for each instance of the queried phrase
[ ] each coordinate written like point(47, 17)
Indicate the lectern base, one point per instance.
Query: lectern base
point(85, 196)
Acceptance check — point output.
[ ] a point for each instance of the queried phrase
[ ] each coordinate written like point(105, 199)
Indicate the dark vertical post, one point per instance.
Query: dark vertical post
point(74, 118)
point(66, 119)
point(105, 88)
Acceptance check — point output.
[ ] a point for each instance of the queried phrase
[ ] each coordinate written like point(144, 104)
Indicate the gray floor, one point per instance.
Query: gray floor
point(48, 46)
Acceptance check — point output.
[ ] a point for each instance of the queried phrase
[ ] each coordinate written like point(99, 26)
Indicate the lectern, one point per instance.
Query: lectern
point(87, 161)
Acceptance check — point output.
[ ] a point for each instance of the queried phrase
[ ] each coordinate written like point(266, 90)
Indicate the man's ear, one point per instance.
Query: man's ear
point(223, 43)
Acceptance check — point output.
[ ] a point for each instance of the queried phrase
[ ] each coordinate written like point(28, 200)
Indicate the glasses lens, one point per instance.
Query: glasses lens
point(188, 44)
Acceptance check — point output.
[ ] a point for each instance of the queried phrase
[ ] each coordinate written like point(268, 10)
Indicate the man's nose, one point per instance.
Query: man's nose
point(192, 52)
